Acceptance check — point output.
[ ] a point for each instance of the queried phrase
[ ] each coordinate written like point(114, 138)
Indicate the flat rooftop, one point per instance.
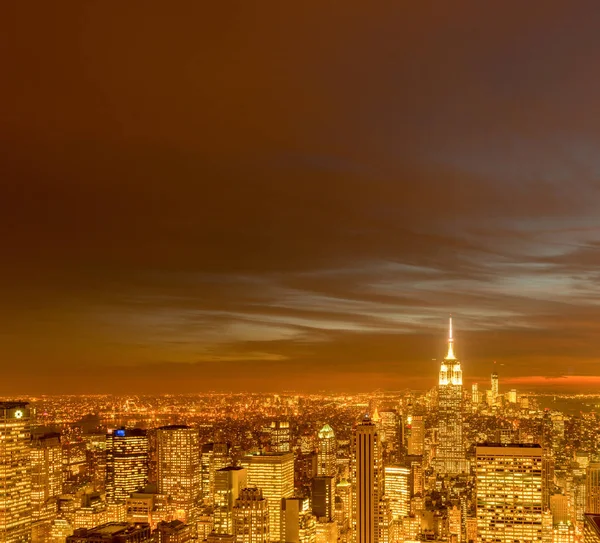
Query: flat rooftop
point(510, 445)
point(13, 404)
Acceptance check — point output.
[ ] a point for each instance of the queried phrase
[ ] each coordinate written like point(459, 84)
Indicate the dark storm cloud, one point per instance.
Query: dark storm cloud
point(282, 192)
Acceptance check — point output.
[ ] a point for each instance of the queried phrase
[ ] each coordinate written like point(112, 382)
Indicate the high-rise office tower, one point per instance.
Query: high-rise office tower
point(343, 503)
point(323, 497)
point(548, 473)
point(416, 439)
point(126, 463)
point(207, 471)
point(327, 453)
point(15, 475)
point(577, 493)
point(509, 493)
point(495, 388)
point(475, 394)
point(450, 455)
point(229, 482)
point(95, 453)
point(46, 469)
point(417, 477)
point(74, 464)
point(300, 524)
point(251, 517)
point(390, 426)
point(397, 490)
point(152, 456)
point(369, 481)
point(273, 473)
point(281, 436)
point(592, 501)
point(215, 456)
point(46, 482)
point(559, 507)
point(178, 453)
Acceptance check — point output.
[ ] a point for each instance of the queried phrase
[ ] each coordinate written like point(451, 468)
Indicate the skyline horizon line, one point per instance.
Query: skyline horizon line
point(536, 390)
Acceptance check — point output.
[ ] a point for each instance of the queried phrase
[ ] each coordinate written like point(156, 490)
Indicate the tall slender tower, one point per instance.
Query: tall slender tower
point(416, 439)
point(327, 458)
point(369, 481)
point(179, 469)
point(495, 388)
point(15, 475)
point(46, 482)
point(450, 458)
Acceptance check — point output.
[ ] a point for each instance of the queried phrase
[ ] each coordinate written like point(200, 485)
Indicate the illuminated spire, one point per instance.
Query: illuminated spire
point(450, 355)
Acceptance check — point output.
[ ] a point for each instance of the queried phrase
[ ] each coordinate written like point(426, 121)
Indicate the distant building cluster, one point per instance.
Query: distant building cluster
point(451, 464)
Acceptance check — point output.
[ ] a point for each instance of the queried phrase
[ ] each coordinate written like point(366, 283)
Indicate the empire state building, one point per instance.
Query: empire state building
point(450, 456)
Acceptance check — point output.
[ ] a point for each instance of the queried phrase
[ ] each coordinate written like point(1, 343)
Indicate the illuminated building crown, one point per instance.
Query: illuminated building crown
point(450, 371)
point(326, 432)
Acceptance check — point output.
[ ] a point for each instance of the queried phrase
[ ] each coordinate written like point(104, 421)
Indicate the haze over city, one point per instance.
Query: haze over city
point(296, 197)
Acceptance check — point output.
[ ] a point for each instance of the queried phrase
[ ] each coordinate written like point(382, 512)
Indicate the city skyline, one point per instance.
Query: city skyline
point(444, 466)
point(209, 200)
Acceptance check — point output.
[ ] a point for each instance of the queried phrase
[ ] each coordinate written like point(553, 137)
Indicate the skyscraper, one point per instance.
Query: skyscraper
point(397, 490)
point(416, 438)
point(15, 475)
point(229, 482)
point(327, 453)
point(475, 394)
point(369, 481)
point(281, 436)
point(509, 493)
point(495, 388)
point(251, 517)
point(559, 506)
point(178, 452)
point(450, 455)
point(391, 425)
point(95, 454)
point(300, 523)
point(215, 456)
point(273, 473)
point(343, 503)
point(46, 482)
point(323, 497)
point(592, 500)
point(126, 463)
